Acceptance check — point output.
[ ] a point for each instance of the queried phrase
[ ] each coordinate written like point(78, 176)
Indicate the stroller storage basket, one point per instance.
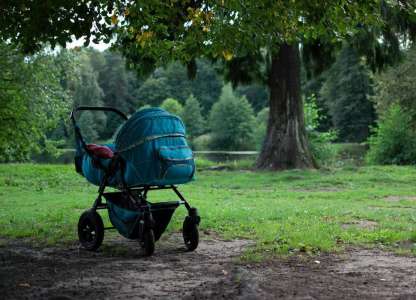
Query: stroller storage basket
point(125, 215)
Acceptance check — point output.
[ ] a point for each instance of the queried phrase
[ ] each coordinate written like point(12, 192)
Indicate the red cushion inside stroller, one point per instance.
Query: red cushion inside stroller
point(100, 151)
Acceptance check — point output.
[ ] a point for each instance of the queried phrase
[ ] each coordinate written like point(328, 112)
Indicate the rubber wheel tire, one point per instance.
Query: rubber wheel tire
point(190, 234)
point(90, 230)
point(148, 243)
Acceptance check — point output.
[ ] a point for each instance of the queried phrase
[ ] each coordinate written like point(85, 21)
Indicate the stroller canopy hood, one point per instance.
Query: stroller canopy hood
point(146, 125)
point(152, 147)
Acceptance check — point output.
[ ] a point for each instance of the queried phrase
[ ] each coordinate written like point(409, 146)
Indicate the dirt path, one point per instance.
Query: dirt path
point(212, 272)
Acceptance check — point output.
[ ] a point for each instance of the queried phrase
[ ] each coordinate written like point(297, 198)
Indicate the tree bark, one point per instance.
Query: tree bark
point(286, 145)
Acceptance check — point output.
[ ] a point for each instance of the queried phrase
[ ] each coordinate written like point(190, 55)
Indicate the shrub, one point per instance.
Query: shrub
point(394, 140)
point(202, 142)
point(397, 85)
point(232, 122)
point(320, 142)
point(173, 106)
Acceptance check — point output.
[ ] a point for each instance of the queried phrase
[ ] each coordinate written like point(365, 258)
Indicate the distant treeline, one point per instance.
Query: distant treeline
point(37, 92)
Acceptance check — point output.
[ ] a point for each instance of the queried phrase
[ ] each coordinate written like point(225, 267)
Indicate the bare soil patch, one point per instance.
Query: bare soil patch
point(211, 272)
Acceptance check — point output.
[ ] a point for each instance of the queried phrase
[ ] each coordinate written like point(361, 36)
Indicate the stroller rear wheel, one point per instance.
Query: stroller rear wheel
point(90, 230)
point(190, 233)
point(148, 242)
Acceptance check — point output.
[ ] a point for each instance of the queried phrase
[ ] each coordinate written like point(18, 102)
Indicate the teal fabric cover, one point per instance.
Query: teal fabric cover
point(94, 174)
point(123, 219)
point(153, 145)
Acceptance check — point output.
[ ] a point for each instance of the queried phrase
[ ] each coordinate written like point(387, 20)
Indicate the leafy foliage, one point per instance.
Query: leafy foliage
point(31, 24)
point(192, 117)
point(394, 140)
point(256, 94)
point(32, 102)
point(346, 92)
point(397, 86)
point(232, 122)
point(89, 93)
point(320, 142)
point(151, 30)
point(172, 106)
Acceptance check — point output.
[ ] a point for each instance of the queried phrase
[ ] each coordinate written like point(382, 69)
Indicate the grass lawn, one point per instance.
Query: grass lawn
point(286, 212)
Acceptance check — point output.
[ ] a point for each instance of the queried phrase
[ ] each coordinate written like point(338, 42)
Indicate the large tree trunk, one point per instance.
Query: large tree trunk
point(286, 145)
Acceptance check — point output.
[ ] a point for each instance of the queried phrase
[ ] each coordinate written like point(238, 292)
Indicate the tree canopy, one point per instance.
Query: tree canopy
point(258, 40)
point(32, 101)
point(232, 122)
point(346, 92)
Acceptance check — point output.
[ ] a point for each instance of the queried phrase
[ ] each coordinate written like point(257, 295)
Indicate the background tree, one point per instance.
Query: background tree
point(119, 85)
point(207, 85)
point(232, 122)
point(152, 33)
point(88, 92)
point(346, 93)
point(153, 91)
point(32, 102)
point(173, 106)
point(256, 94)
point(192, 117)
point(381, 46)
point(394, 138)
point(31, 25)
point(397, 86)
point(265, 50)
point(172, 81)
point(89, 127)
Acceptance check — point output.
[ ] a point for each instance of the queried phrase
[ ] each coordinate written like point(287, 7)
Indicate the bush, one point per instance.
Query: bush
point(394, 141)
point(397, 86)
point(320, 142)
point(232, 122)
point(173, 106)
point(202, 142)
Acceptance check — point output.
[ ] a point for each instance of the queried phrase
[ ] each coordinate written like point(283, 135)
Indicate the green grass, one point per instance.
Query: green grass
point(286, 212)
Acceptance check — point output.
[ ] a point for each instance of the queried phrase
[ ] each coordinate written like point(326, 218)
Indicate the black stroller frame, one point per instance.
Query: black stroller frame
point(90, 226)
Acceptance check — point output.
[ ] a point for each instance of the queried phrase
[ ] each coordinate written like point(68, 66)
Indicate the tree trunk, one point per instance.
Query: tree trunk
point(286, 145)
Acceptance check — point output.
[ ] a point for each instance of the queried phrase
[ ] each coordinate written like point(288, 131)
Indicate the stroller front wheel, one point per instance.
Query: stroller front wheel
point(90, 230)
point(148, 242)
point(190, 233)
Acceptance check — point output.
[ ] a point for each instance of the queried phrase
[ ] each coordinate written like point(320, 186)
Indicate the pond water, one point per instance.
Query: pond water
point(67, 156)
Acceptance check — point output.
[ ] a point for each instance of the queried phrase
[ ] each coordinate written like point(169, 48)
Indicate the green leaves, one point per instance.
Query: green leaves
point(347, 92)
point(232, 122)
point(192, 117)
point(32, 101)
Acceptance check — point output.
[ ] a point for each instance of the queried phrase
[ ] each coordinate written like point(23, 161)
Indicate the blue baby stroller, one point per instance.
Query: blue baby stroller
point(149, 153)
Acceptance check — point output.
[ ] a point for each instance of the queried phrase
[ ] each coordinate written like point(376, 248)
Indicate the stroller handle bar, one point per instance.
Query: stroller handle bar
point(78, 134)
point(96, 108)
